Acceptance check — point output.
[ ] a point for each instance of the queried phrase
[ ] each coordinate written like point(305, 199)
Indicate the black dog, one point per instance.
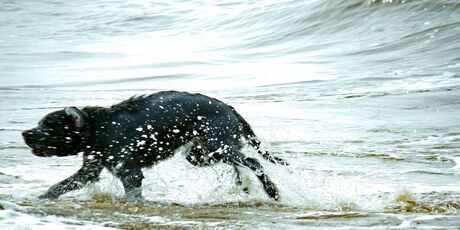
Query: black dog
point(141, 131)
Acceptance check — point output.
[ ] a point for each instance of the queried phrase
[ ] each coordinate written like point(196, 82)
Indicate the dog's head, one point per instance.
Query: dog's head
point(59, 133)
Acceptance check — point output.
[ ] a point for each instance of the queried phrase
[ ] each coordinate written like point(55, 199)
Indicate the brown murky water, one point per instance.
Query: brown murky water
point(108, 211)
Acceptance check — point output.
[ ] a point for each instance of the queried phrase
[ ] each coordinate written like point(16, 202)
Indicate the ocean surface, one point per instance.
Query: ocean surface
point(361, 97)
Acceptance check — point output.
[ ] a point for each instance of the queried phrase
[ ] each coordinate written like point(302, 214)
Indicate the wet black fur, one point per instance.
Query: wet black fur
point(142, 131)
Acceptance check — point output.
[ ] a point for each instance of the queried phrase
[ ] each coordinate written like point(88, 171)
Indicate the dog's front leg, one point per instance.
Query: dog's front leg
point(131, 178)
point(90, 171)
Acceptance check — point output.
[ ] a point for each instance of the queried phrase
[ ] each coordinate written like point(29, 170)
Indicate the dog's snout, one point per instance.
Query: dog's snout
point(27, 133)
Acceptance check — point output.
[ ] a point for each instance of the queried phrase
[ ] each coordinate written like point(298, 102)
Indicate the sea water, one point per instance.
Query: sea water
point(361, 97)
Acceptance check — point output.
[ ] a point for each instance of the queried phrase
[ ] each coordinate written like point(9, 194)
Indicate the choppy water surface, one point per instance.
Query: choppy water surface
point(361, 97)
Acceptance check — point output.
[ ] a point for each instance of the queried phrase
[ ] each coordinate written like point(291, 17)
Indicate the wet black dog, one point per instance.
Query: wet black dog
point(141, 131)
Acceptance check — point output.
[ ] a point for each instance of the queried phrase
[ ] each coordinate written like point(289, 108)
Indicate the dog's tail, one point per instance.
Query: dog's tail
point(252, 139)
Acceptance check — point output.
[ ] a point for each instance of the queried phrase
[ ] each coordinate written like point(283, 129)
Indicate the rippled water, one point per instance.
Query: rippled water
point(361, 97)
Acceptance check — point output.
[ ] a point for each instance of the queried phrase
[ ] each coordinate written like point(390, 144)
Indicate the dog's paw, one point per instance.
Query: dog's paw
point(270, 188)
point(136, 200)
point(44, 197)
point(280, 161)
point(134, 196)
point(48, 196)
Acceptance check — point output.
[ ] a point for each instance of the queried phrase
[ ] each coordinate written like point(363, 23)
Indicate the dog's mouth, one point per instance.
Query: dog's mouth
point(46, 151)
point(39, 151)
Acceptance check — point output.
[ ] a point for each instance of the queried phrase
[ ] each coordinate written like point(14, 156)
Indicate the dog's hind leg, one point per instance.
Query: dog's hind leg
point(256, 167)
point(239, 182)
point(199, 155)
point(222, 145)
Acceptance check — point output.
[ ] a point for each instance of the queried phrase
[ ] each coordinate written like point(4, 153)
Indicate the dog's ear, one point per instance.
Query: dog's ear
point(77, 116)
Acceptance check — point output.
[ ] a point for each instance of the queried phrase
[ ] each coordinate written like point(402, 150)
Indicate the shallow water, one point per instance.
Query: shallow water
point(361, 97)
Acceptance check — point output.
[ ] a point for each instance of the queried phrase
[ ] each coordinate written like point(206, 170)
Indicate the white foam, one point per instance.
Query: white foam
point(178, 181)
point(322, 191)
point(10, 219)
point(319, 183)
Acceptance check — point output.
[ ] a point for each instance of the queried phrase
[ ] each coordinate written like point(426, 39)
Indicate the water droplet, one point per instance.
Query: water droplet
point(140, 143)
